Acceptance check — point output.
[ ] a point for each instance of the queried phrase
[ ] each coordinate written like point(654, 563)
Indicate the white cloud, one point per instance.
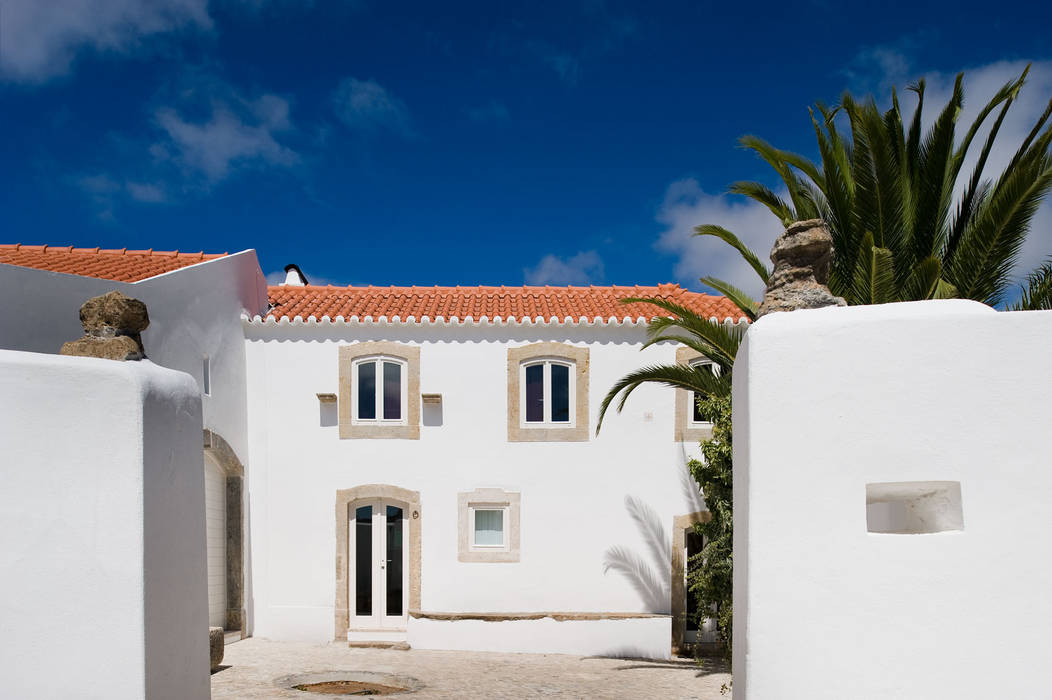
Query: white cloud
point(366, 106)
point(39, 39)
point(583, 268)
point(239, 132)
point(145, 192)
point(686, 206)
point(105, 191)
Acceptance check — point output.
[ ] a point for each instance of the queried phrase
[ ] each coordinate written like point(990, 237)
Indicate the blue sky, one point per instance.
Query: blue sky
point(454, 143)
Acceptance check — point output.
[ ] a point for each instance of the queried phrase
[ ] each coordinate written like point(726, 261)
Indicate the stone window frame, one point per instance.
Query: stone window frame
point(686, 430)
point(410, 354)
point(345, 499)
point(678, 589)
point(578, 431)
point(489, 499)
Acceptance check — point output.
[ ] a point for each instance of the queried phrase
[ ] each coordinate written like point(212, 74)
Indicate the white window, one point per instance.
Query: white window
point(378, 385)
point(697, 416)
point(487, 526)
point(548, 396)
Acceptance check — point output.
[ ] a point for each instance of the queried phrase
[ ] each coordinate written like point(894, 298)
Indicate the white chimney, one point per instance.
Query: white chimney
point(294, 277)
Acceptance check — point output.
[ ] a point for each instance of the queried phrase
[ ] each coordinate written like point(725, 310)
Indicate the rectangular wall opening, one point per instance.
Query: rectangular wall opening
point(914, 507)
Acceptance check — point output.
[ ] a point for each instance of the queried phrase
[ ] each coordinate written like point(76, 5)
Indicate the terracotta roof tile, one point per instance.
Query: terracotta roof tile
point(492, 303)
point(119, 265)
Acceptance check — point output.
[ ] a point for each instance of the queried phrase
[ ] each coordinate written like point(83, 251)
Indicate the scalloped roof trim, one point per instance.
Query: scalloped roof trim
point(258, 320)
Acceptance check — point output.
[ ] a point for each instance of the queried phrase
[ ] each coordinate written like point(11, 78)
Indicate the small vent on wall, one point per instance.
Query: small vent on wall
point(914, 507)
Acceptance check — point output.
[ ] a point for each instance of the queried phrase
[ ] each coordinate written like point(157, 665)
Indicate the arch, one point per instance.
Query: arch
point(344, 499)
point(223, 455)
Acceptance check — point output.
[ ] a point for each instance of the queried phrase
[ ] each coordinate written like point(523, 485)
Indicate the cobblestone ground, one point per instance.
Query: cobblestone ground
point(251, 666)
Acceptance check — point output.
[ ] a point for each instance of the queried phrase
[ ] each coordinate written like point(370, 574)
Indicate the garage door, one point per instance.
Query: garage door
point(215, 533)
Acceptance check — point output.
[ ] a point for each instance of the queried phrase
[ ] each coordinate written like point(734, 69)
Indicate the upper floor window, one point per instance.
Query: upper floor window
point(379, 389)
point(549, 392)
point(698, 417)
point(691, 424)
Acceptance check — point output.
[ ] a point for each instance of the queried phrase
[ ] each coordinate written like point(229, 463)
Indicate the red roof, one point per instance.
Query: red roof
point(492, 303)
point(121, 265)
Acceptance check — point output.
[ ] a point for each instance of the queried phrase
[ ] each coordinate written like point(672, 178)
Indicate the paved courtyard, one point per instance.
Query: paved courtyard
point(251, 667)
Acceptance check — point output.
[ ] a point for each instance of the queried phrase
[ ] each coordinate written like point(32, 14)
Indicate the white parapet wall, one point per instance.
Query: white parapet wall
point(892, 490)
point(102, 542)
point(637, 638)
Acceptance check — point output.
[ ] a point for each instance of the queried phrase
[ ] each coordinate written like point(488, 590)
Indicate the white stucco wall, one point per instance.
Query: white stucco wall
point(194, 311)
point(581, 503)
point(828, 401)
point(102, 564)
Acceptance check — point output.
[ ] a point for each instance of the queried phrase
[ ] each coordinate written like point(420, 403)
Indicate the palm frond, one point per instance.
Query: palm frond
point(746, 304)
point(1037, 290)
point(765, 196)
point(736, 243)
point(697, 379)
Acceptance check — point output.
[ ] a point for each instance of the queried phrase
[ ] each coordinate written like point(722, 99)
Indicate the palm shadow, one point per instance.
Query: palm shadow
point(650, 580)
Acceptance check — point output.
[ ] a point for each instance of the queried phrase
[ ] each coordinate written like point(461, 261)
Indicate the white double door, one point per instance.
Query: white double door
point(379, 568)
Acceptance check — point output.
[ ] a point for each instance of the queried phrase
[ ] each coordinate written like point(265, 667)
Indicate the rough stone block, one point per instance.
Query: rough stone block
point(215, 646)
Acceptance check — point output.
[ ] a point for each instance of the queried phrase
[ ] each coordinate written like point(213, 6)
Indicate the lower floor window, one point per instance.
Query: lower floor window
point(488, 527)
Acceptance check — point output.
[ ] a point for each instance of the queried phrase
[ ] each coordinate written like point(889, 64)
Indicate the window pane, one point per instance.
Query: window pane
point(392, 391)
point(560, 394)
point(489, 527)
point(535, 393)
point(395, 528)
point(699, 416)
point(363, 561)
point(367, 391)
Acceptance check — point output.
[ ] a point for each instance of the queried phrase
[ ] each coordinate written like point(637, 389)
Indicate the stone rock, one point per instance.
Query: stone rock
point(802, 258)
point(216, 643)
point(112, 324)
point(121, 347)
point(114, 311)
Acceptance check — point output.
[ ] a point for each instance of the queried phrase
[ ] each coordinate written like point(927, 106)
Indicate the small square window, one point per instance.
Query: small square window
point(489, 527)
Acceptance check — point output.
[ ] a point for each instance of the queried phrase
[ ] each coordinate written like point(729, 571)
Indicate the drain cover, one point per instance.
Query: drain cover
point(349, 688)
point(348, 683)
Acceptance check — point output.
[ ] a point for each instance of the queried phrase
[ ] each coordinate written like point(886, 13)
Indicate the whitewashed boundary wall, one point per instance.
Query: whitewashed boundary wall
point(892, 492)
point(102, 542)
point(194, 311)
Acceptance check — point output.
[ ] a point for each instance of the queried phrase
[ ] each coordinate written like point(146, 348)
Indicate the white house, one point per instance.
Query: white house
point(419, 464)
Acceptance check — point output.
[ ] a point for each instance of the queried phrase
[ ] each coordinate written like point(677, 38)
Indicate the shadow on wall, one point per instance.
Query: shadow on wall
point(651, 582)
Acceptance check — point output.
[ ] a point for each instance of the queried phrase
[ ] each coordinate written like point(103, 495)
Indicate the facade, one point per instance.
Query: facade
point(418, 465)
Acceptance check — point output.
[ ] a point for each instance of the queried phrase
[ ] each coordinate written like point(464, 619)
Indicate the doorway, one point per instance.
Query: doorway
point(378, 573)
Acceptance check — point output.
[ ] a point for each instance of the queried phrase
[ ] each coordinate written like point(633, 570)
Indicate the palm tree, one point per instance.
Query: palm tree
point(718, 343)
point(887, 193)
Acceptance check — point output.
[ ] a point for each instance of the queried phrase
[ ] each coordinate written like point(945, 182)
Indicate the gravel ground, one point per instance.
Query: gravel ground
point(252, 666)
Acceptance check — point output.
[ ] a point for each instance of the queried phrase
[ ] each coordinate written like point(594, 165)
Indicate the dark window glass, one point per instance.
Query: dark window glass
point(699, 415)
point(560, 394)
point(363, 561)
point(535, 393)
point(392, 391)
point(367, 391)
point(394, 560)
point(695, 543)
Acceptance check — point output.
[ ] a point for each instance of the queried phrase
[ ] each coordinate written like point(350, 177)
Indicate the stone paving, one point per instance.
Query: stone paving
point(251, 667)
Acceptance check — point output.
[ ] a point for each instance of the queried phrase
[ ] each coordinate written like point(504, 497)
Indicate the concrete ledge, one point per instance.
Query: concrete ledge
point(621, 635)
point(512, 616)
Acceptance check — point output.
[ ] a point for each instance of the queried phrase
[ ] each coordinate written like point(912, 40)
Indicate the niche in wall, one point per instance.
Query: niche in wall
point(914, 507)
